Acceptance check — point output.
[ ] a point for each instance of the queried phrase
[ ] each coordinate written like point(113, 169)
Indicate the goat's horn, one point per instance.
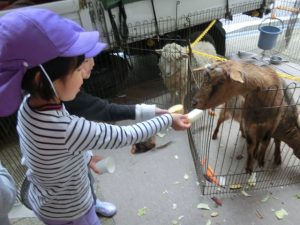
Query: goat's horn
point(199, 69)
point(159, 51)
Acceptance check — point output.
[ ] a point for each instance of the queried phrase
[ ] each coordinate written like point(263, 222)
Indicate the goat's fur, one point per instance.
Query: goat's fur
point(231, 109)
point(173, 65)
point(288, 129)
point(263, 94)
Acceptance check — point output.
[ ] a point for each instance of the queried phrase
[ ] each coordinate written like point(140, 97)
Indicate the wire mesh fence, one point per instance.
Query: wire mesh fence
point(221, 154)
point(221, 162)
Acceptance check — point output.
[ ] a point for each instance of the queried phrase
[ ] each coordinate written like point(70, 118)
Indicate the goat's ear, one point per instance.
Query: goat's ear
point(236, 75)
point(159, 51)
point(202, 68)
point(184, 55)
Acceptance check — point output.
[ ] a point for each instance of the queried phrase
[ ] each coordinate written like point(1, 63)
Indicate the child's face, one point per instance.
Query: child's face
point(68, 87)
point(87, 66)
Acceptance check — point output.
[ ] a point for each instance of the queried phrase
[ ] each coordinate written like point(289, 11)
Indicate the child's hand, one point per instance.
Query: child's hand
point(180, 122)
point(93, 162)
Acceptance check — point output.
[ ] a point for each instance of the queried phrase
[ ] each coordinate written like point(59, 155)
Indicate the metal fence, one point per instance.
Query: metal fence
point(220, 155)
point(220, 163)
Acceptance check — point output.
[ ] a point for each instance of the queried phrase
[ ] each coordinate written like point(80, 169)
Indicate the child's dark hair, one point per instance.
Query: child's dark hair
point(56, 69)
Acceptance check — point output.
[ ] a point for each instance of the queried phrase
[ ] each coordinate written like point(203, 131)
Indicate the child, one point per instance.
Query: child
point(44, 47)
point(97, 109)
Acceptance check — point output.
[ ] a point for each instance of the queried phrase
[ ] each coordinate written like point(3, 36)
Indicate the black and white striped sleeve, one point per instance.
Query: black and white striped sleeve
point(86, 135)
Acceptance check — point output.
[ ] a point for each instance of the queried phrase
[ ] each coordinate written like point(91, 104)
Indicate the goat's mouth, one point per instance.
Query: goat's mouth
point(200, 104)
point(206, 102)
point(214, 96)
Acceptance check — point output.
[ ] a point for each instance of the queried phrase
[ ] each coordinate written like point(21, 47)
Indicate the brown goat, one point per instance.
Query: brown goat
point(288, 129)
point(262, 91)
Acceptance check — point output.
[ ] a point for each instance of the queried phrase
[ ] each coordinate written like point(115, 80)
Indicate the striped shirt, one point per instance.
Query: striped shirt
point(54, 145)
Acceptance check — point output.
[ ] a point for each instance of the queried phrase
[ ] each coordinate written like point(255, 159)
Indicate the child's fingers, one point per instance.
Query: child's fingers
point(186, 124)
point(180, 122)
point(95, 169)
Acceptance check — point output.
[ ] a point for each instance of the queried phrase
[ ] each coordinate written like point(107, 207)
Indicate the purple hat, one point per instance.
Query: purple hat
point(98, 47)
point(29, 37)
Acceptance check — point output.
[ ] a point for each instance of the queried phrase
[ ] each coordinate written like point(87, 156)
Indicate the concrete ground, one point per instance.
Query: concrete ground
point(160, 187)
point(164, 183)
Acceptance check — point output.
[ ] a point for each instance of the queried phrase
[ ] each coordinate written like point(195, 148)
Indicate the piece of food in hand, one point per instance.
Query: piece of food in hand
point(194, 115)
point(176, 109)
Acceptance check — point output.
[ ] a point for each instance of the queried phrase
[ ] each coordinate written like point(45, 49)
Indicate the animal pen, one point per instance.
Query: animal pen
point(130, 74)
point(220, 163)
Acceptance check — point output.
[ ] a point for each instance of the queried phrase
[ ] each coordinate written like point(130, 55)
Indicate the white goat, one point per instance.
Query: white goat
point(173, 65)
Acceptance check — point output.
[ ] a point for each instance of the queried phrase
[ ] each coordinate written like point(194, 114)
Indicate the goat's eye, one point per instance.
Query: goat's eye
point(217, 84)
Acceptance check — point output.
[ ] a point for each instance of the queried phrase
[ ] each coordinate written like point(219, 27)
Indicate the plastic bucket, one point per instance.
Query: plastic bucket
point(268, 36)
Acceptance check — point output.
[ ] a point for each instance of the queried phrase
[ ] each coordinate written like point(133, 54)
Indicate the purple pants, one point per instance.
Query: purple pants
point(90, 218)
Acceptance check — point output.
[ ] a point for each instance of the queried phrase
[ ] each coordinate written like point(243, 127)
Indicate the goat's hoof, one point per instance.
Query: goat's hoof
point(214, 137)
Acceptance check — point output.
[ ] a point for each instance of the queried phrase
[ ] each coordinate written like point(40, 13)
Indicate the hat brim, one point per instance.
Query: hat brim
point(10, 90)
point(96, 50)
point(85, 42)
point(98, 47)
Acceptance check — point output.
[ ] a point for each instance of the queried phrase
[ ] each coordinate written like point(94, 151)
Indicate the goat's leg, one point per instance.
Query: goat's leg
point(277, 154)
point(255, 153)
point(251, 148)
point(263, 148)
point(221, 119)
